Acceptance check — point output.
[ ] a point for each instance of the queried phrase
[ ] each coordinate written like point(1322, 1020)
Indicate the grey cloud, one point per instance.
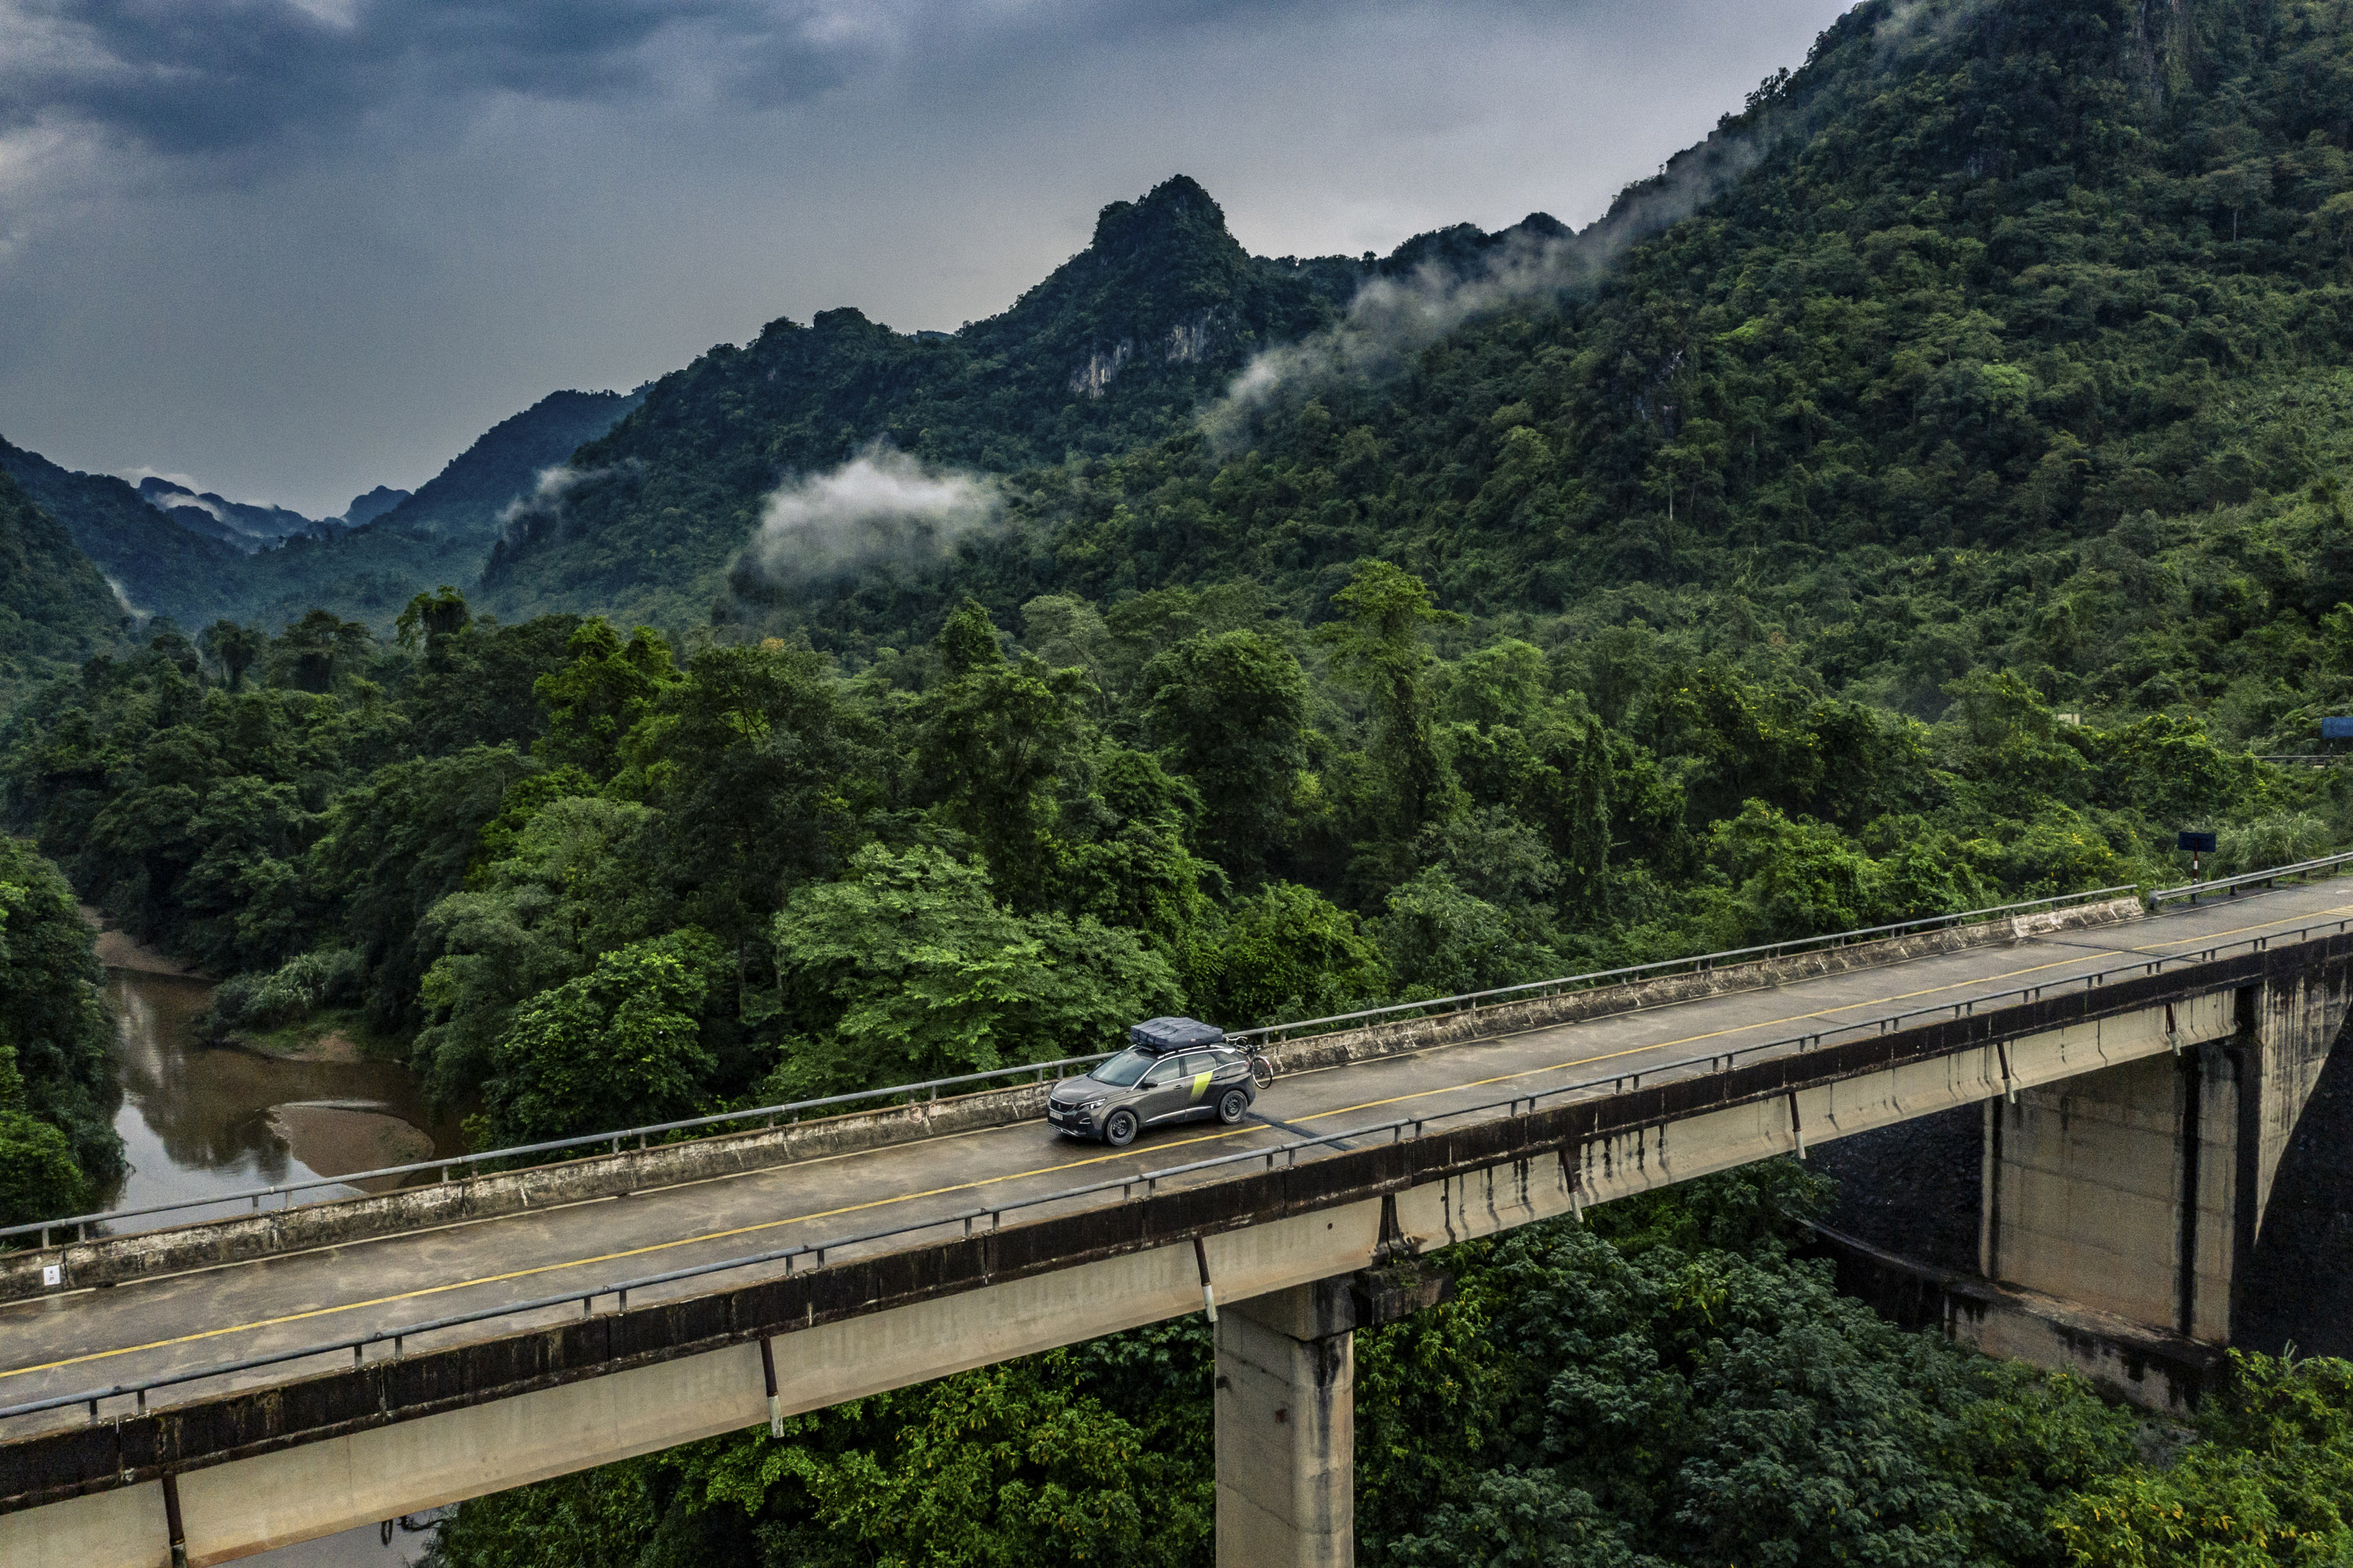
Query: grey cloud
point(197, 77)
point(200, 76)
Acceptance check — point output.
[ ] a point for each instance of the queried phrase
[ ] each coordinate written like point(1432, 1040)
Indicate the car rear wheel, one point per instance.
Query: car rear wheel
point(1119, 1128)
point(1233, 1106)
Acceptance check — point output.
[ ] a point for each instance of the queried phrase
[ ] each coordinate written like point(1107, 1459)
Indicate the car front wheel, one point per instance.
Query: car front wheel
point(1119, 1128)
point(1233, 1106)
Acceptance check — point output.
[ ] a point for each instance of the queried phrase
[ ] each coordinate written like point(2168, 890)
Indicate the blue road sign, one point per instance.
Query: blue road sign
point(2196, 844)
point(2337, 729)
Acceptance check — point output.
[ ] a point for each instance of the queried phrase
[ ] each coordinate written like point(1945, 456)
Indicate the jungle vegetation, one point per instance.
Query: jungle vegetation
point(1948, 509)
point(56, 611)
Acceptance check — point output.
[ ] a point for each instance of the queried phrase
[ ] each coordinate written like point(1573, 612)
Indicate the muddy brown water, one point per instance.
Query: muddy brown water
point(199, 1120)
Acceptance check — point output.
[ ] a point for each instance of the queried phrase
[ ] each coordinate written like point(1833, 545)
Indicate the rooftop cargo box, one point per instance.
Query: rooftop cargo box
point(1161, 1035)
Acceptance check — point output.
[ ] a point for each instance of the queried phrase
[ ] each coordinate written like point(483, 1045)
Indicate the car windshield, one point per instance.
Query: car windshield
point(1121, 1071)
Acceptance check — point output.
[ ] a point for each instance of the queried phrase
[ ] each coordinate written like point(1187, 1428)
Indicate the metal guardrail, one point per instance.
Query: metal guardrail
point(1470, 1000)
point(283, 1192)
point(928, 1089)
point(357, 1346)
point(2230, 885)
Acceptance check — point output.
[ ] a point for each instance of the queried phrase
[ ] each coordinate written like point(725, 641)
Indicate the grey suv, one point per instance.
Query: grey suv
point(1143, 1088)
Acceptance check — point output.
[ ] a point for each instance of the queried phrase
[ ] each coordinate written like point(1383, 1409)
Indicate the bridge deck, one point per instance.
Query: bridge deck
point(95, 1338)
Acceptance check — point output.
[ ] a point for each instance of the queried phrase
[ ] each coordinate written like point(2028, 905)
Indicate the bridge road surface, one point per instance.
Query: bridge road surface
point(97, 1338)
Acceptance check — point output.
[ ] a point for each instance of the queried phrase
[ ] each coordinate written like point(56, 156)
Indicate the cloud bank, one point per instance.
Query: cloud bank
point(306, 247)
point(1393, 318)
point(882, 507)
point(204, 77)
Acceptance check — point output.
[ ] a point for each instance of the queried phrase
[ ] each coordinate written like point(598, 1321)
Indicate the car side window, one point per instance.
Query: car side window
point(1162, 1074)
point(1195, 1063)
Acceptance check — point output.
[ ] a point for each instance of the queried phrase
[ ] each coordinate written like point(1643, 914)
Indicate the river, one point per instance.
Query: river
point(198, 1120)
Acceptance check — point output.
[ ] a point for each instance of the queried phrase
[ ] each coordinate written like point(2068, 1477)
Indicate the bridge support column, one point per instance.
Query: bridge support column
point(1286, 1422)
point(2138, 1189)
point(1286, 1414)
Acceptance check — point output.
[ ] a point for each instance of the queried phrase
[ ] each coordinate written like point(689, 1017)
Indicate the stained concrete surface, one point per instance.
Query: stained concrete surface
point(2297, 1288)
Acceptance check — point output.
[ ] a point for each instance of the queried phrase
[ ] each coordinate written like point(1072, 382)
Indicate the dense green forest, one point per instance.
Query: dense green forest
point(56, 611)
point(798, 876)
point(1947, 508)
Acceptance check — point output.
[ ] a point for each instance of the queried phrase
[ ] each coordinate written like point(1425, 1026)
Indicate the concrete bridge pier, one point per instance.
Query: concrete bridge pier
point(2138, 1189)
point(1286, 1414)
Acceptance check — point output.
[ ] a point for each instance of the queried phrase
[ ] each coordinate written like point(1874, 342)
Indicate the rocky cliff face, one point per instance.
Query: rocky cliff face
point(1191, 342)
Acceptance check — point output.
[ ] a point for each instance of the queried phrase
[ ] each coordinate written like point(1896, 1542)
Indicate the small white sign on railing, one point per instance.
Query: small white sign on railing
point(52, 1276)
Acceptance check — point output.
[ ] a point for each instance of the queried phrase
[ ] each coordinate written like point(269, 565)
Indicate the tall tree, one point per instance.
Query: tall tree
point(993, 738)
point(1377, 649)
point(1230, 712)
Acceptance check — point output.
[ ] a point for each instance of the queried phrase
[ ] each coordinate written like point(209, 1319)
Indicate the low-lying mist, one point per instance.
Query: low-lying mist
point(1393, 318)
point(880, 507)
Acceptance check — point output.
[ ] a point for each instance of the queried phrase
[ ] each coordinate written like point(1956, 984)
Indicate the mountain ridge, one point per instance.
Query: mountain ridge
point(56, 607)
point(161, 567)
point(1120, 342)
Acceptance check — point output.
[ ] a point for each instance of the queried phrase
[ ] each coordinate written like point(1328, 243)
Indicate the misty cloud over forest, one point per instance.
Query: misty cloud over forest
point(882, 507)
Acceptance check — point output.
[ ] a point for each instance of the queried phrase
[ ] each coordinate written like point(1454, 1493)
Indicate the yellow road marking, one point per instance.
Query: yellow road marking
point(1796, 1018)
point(586, 1262)
point(2209, 938)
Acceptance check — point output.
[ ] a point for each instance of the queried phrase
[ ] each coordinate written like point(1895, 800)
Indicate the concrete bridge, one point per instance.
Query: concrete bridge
point(199, 1393)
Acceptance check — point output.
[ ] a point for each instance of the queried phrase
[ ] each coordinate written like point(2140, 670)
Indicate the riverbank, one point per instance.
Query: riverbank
point(201, 1119)
point(118, 950)
point(333, 1034)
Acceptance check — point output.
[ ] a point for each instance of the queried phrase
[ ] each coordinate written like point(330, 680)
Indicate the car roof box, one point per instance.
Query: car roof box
point(1164, 1034)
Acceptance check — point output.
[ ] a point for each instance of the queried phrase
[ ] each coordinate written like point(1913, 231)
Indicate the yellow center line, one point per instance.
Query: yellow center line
point(602, 1257)
point(2210, 938)
point(422, 1291)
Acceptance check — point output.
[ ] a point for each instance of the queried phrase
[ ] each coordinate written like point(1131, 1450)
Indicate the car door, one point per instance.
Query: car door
point(1198, 1069)
point(1163, 1092)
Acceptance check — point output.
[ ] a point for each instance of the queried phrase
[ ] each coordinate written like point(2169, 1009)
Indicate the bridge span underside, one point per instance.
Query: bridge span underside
point(2143, 1074)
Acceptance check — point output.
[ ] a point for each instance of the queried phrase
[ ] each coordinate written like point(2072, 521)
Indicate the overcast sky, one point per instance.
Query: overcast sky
point(294, 249)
